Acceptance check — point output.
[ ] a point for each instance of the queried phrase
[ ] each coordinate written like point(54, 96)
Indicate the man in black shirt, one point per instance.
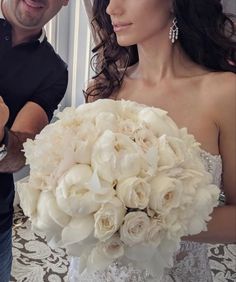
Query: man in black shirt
point(33, 80)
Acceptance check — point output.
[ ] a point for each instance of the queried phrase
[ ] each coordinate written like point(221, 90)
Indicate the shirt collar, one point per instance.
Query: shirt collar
point(42, 36)
point(1, 14)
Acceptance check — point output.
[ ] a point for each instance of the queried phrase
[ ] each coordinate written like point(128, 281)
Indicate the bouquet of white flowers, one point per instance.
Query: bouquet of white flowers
point(116, 180)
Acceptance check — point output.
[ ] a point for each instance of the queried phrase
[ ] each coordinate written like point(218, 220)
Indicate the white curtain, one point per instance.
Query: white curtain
point(88, 7)
point(229, 6)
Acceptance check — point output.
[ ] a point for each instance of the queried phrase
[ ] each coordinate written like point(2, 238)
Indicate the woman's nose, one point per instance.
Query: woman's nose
point(114, 7)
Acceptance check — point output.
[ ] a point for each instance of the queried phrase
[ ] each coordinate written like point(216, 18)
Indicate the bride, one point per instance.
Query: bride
point(178, 55)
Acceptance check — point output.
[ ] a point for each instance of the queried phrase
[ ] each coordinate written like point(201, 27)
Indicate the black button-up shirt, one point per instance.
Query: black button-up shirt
point(28, 72)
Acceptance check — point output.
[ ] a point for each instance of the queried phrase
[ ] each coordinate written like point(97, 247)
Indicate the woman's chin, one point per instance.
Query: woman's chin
point(124, 42)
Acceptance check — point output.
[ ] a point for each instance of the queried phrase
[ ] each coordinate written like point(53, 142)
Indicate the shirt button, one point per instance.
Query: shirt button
point(7, 38)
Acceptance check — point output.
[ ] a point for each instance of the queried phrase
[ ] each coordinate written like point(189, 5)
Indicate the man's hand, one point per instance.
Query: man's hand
point(29, 122)
point(4, 116)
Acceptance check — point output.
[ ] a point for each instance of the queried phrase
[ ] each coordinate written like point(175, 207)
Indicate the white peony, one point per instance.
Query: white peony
point(82, 142)
point(158, 122)
point(128, 127)
point(28, 199)
point(102, 190)
point(48, 213)
point(108, 219)
point(49, 218)
point(171, 152)
point(145, 139)
point(72, 193)
point(116, 157)
point(106, 121)
point(206, 199)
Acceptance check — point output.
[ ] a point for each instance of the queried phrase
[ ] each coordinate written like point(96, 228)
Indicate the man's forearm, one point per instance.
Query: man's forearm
point(14, 159)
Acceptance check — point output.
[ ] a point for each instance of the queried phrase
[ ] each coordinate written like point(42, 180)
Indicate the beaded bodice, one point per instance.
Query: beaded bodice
point(213, 164)
point(190, 263)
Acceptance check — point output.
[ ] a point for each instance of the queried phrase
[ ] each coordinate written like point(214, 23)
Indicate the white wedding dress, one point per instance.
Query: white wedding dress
point(190, 263)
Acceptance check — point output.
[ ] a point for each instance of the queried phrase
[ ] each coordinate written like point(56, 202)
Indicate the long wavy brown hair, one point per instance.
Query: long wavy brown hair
point(207, 36)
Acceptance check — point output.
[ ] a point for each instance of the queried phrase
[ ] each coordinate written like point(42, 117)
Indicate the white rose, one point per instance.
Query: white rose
point(116, 157)
point(108, 219)
point(134, 192)
point(172, 152)
point(113, 248)
point(105, 253)
point(134, 229)
point(158, 122)
point(155, 232)
point(72, 193)
point(165, 194)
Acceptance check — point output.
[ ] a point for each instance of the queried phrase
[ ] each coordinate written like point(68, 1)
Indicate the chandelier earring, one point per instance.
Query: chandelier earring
point(174, 31)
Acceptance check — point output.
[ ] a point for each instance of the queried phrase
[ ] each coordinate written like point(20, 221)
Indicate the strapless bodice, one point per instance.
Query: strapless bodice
point(213, 164)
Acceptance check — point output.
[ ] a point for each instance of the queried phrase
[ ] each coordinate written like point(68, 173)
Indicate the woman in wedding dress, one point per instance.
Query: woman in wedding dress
point(178, 55)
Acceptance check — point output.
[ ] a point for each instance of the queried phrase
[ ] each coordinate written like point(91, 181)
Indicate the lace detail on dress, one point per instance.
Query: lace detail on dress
point(190, 263)
point(116, 272)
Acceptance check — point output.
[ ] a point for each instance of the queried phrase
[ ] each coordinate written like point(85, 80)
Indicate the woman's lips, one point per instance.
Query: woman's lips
point(120, 26)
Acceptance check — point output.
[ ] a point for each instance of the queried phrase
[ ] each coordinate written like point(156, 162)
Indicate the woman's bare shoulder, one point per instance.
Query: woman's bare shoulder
point(221, 87)
point(221, 97)
point(218, 96)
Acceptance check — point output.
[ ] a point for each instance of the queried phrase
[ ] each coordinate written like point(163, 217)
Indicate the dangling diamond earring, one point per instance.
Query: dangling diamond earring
point(174, 31)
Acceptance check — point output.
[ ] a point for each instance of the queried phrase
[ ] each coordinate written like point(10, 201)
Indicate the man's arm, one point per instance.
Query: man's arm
point(29, 122)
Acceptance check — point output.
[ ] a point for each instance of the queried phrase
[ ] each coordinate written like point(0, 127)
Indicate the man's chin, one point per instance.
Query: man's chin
point(28, 22)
